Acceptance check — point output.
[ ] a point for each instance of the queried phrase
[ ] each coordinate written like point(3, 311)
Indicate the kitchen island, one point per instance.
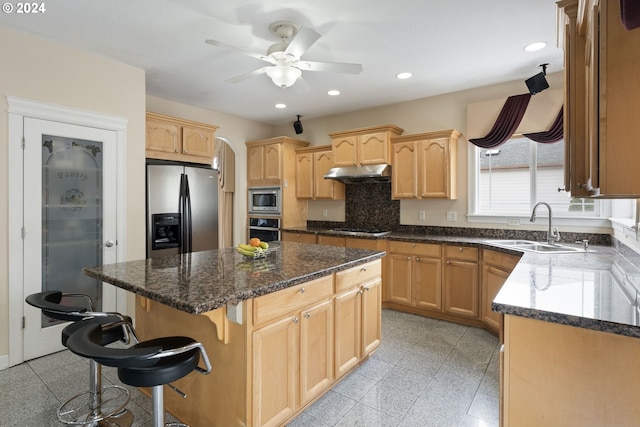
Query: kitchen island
point(279, 331)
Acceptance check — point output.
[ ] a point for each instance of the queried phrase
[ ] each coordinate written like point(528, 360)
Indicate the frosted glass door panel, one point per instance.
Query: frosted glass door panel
point(72, 220)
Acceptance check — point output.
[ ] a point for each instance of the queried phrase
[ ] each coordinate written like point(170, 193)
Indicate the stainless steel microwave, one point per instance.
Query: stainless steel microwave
point(265, 200)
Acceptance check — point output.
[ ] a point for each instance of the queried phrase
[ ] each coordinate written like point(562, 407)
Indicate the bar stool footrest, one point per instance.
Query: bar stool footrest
point(78, 412)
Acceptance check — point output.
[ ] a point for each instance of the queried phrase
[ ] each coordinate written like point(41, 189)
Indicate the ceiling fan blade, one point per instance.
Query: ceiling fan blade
point(301, 42)
point(334, 67)
point(245, 76)
point(246, 52)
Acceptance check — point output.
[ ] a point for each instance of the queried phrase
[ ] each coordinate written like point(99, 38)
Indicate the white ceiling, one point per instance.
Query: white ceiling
point(448, 45)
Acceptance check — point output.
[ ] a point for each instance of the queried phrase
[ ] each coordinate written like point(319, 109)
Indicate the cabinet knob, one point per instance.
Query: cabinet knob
point(176, 150)
point(307, 315)
point(295, 320)
point(417, 258)
point(460, 249)
point(408, 258)
point(413, 245)
point(359, 291)
point(363, 269)
point(448, 262)
point(185, 151)
point(302, 290)
point(365, 288)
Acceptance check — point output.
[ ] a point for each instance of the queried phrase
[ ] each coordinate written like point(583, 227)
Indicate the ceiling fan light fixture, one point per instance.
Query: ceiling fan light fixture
point(283, 75)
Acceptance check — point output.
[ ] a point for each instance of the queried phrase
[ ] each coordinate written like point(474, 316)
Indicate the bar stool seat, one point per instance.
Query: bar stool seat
point(98, 406)
point(151, 363)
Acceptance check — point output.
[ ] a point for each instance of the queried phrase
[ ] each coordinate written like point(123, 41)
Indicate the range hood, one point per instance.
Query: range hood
point(355, 174)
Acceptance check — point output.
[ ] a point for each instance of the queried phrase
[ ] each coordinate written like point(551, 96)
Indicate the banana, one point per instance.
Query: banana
point(264, 245)
point(248, 247)
point(245, 252)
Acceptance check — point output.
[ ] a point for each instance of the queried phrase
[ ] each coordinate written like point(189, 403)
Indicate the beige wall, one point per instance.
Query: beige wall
point(43, 71)
point(425, 115)
point(235, 130)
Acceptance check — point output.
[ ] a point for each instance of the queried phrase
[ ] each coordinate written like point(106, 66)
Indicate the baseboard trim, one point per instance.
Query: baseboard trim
point(4, 361)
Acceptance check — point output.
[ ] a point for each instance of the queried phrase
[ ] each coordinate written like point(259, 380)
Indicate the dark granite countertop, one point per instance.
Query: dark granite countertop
point(599, 289)
point(203, 281)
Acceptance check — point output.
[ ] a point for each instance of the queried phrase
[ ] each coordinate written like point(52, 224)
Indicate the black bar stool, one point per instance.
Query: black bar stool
point(99, 406)
point(151, 363)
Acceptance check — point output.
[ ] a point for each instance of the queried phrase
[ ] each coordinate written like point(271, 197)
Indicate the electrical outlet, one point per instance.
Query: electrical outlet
point(513, 222)
point(422, 215)
point(452, 216)
point(325, 212)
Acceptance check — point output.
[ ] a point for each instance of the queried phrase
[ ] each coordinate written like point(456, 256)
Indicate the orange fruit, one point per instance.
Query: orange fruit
point(254, 242)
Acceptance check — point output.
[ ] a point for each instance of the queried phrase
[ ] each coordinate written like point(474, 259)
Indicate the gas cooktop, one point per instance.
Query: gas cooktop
point(360, 232)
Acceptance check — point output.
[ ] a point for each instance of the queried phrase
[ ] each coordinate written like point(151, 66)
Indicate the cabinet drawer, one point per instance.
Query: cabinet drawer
point(461, 252)
point(271, 306)
point(412, 248)
point(499, 259)
point(356, 275)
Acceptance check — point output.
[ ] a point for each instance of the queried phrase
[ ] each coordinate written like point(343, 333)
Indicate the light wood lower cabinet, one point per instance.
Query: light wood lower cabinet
point(559, 375)
point(415, 274)
point(292, 362)
point(461, 281)
point(357, 319)
point(496, 267)
point(290, 236)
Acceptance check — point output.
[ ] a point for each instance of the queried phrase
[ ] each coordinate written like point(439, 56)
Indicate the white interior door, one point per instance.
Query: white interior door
point(69, 219)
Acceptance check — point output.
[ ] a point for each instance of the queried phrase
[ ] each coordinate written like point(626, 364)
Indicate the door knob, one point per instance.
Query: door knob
point(108, 243)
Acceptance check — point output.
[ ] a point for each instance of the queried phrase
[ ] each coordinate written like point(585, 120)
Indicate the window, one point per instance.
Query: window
point(512, 178)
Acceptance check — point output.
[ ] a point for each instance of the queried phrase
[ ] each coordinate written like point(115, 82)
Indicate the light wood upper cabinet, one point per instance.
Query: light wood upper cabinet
point(312, 164)
point(424, 165)
point(170, 138)
point(272, 161)
point(364, 146)
point(602, 96)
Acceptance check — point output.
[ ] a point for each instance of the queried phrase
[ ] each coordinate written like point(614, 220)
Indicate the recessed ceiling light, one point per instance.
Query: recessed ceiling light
point(535, 46)
point(281, 105)
point(403, 76)
point(334, 92)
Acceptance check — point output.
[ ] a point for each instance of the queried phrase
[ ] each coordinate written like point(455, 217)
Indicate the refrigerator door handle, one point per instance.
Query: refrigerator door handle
point(189, 226)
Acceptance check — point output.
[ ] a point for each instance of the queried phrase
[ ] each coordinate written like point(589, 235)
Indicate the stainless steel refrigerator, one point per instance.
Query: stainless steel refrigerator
point(182, 208)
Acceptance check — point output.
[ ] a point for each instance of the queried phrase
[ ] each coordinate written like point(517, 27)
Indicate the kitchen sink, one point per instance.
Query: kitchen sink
point(538, 247)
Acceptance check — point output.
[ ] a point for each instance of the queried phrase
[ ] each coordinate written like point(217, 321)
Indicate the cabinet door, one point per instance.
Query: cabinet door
point(373, 148)
point(371, 315)
point(348, 322)
point(298, 237)
point(404, 170)
point(316, 350)
point(344, 151)
point(304, 176)
point(434, 169)
point(272, 162)
point(427, 283)
point(197, 142)
point(255, 165)
point(324, 188)
point(492, 280)
point(400, 278)
point(162, 136)
point(331, 240)
point(461, 288)
point(275, 362)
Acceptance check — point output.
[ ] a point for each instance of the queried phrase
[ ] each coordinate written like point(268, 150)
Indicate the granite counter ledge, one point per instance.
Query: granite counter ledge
point(199, 282)
point(594, 290)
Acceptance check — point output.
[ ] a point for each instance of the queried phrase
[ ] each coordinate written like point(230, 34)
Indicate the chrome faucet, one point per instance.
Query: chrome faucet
point(552, 235)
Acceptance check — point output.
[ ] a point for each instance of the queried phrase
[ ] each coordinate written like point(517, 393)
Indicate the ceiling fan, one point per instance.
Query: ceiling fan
point(286, 66)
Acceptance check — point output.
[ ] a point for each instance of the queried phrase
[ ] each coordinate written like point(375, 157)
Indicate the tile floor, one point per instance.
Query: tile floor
point(425, 373)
